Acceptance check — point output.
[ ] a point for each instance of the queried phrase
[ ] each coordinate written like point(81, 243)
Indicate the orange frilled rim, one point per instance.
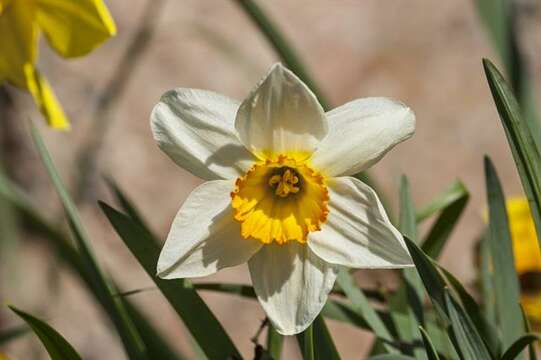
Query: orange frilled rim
point(269, 213)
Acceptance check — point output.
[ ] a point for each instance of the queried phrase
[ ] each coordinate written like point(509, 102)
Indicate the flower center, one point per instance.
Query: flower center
point(280, 199)
point(285, 183)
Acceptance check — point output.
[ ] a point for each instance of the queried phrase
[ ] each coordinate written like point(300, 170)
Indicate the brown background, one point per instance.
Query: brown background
point(425, 53)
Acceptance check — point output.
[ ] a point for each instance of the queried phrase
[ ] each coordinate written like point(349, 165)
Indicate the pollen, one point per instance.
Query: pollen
point(286, 183)
point(280, 199)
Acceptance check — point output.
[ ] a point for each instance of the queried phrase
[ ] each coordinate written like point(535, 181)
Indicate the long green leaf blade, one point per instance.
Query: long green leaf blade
point(439, 233)
point(131, 338)
point(441, 201)
point(363, 308)
point(431, 352)
point(506, 283)
point(466, 338)
point(409, 297)
point(275, 343)
point(531, 349)
point(523, 147)
point(64, 251)
point(518, 346)
point(432, 280)
point(201, 322)
point(7, 335)
point(57, 347)
point(485, 329)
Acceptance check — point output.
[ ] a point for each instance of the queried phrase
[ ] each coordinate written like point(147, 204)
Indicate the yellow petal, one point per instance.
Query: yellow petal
point(525, 245)
point(74, 28)
point(46, 99)
point(18, 40)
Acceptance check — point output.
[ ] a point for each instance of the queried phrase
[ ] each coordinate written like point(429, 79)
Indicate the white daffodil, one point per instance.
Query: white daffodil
point(279, 193)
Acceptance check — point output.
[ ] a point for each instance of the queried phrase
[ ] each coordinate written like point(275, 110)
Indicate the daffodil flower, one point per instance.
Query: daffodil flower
point(72, 28)
point(279, 193)
point(527, 257)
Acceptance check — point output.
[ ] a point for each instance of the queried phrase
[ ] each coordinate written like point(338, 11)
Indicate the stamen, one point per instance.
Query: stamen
point(287, 183)
point(280, 200)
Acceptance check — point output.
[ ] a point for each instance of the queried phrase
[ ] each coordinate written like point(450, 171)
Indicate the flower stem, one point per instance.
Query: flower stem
point(308, 335)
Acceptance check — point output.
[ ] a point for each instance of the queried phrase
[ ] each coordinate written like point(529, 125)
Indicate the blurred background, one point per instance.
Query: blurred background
point(426, 54)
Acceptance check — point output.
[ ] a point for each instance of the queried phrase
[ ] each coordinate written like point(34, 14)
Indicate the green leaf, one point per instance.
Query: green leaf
point(200, 321)
point(506, 284)
point(531, 349)
point(519, 345)
point(500, 19)
point(131, 338)
point(465, 336)
point(57, 347)
point(323, 345)
point(449, 311)
point(409, 297)
point(363, 308)
point(441, 201)
point(275, 342)
point(487, 281)
point(431, 352)
point(308, 343)
point(64, 252)
point(281, 46)
point(432, 280)
point(453, 203)
point(6, 335)
point(126, 204)
point(523, 147)
point(391, 357)
point(487, 331)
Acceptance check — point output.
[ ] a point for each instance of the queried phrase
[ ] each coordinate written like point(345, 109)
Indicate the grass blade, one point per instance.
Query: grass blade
point(7, 335)
point(201, 322)
point(275, 343)
point(131, 338)
point(65, 252)
point(323, 345)
point(518, 346)
point(500, 19)
point(531, 349)
point(519, 136)
point(465, 336)
point(363, 308)
point(308, 344)
point(441, 201)
point(126, 204)
point(439, 233)
point(432, 280)
point(485, 329)
point(506, 285)
point(431, 352)
point(57, 347)
point(409, 297)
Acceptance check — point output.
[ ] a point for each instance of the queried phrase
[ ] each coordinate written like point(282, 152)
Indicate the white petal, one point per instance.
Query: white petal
point(204, 237)
point(196, 129)
point(360, 133)
point(358, 233)
point(281, 115)
point(292, 284)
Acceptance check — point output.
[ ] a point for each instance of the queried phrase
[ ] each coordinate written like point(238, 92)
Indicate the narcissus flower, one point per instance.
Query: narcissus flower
point(280, 195)
point(72, 28)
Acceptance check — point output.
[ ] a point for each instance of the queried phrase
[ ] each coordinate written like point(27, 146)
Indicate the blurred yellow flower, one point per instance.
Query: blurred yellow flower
point(527, 256)
point(72, 28)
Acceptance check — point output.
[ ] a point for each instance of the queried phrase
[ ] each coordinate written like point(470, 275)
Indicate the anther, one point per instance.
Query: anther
point(285, 184)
